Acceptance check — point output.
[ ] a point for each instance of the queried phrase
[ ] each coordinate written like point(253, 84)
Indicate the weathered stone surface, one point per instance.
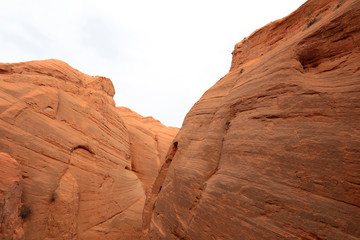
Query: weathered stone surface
point(10, 199)
point(149, 143)
point(272, 150)
point(74, 152)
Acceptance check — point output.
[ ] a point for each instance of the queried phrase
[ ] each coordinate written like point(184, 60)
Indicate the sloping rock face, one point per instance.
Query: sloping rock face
point(272, 150)
point(149, 143)
point(10, 199)
point(74, 153)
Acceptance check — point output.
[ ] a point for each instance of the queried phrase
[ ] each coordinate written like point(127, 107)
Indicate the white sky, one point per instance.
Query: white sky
point(161, 55)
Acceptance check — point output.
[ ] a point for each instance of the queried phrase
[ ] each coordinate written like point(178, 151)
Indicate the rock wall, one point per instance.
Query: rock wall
point(272, 150)
point(74, 152)
point(149, 143)
point(11, 209)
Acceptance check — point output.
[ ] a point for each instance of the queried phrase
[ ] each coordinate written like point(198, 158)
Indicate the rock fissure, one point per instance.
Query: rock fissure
point(114, 215)
point(156, 188)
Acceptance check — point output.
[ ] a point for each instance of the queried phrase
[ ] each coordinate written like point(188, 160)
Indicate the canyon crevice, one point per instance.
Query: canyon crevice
point(271, 151)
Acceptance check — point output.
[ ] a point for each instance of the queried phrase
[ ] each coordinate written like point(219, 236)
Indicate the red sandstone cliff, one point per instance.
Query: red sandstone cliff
point(72, 155)
point(272, 150)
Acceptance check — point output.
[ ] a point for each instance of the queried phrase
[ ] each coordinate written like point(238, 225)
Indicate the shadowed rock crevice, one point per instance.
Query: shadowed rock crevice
point(84, 147)
point(172, 153)
point(330, 43)
point(156, 189)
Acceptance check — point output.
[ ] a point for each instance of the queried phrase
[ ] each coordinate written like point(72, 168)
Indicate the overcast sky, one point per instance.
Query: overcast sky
point(161, 55)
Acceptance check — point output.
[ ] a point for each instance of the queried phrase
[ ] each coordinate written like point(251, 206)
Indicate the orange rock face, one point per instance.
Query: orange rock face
point(10, 199)
point(75, 153)
point(272, 150)
point(149, 143)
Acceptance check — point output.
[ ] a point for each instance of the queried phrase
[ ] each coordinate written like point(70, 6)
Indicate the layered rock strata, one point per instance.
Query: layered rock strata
point(272, 150)
point(74, 153)
point(149, 143)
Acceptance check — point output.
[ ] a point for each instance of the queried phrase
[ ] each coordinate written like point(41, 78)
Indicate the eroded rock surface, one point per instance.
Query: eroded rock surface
point(74, 152)
point(149, 142)
point(10, 199)
point(272, 150)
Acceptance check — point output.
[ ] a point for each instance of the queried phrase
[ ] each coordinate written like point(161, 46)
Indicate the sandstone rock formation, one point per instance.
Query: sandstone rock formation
point(75, 153)
point(272, 150)
point(149, 143)
point(10, 199)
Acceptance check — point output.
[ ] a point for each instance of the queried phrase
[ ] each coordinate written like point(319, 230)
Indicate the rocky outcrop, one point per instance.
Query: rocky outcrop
point(74, 151)
point(11, 209)
point(272, 150)
point(149, 143)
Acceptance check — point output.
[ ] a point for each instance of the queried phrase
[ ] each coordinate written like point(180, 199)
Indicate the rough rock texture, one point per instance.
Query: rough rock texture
point(272, 150)
point(149, 143)
point(10, 198)
point(74, 152)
